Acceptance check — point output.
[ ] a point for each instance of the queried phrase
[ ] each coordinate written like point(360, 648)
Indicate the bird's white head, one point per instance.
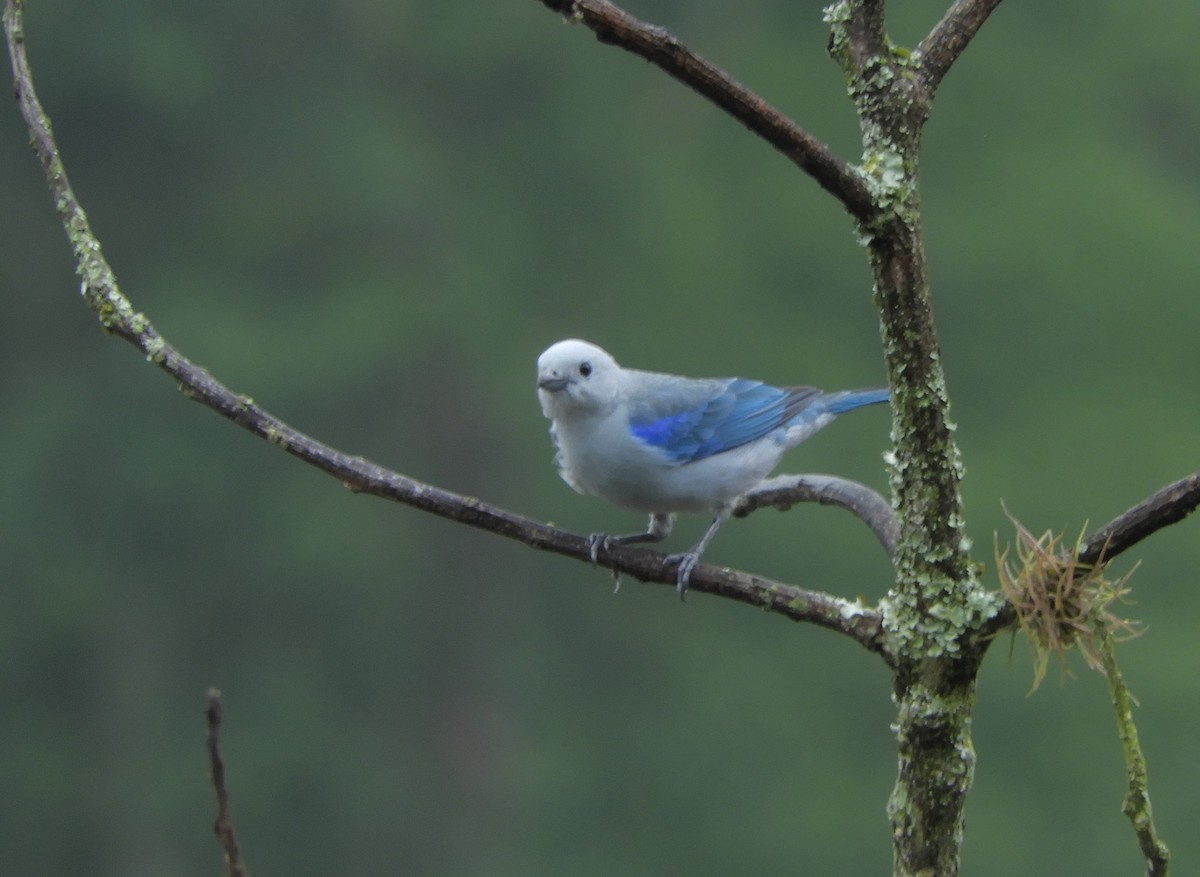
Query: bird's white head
point(575, 377)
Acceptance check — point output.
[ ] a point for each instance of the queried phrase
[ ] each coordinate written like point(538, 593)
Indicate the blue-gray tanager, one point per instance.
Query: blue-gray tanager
point(663, 444)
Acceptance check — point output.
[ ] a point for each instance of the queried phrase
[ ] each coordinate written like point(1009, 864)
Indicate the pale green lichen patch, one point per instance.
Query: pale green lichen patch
point(155, 349)
point(277, 438)
point(139, 324)
point(850, 611)
point(837, 14)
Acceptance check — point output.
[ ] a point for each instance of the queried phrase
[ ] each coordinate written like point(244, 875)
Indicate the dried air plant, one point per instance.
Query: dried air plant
point(1060, 600)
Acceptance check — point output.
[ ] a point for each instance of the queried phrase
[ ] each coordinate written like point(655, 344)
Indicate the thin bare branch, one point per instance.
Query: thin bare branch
point(1168, 506)
point(118, 317)
point(223, 826)
point(614, 26)
point(950, 36)
point(785, 491)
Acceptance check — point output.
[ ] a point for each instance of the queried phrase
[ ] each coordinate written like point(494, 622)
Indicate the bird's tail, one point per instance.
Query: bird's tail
point(848, 400)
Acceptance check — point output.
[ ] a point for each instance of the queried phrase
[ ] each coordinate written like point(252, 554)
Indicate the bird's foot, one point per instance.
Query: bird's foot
point(595, 542)
point(687, 562)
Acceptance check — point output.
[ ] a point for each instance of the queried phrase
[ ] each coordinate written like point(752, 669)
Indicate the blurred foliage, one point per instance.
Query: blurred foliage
point(372, 216)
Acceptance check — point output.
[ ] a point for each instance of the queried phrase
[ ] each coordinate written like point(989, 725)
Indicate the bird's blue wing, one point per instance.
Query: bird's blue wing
point(724, 415)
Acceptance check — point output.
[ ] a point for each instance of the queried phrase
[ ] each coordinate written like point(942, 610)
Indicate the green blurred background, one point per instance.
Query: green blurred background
point(372, 216)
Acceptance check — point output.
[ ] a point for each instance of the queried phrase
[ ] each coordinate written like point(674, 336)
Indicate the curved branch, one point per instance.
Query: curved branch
point(614, 26)
point(118, 316)
point(784, 491)
point(950, 37)
point(363, 476)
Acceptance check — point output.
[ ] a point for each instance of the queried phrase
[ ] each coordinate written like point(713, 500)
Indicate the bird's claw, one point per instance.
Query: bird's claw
point(687, 562)
point(595, 542)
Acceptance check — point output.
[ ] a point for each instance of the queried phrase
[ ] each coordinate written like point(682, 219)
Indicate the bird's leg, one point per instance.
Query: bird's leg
point(657, 530)
point(687, 561)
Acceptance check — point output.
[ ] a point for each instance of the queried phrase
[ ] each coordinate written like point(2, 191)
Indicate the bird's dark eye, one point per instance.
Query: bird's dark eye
point(585, 368)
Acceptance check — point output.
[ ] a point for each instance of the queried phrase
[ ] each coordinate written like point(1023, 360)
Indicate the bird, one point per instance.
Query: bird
point(665, 444)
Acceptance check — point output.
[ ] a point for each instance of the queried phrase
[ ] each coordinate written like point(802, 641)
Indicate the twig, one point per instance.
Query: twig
point(950, 37)
point(118, 316)
point(614, 26)
point(1168, 506)
point(785, 491)
point(1136, 804)
point(223, 826)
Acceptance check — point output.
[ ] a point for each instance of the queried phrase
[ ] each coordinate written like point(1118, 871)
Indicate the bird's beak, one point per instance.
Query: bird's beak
point(552, 383)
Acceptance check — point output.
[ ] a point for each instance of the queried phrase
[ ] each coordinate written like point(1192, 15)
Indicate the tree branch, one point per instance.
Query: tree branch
point(1168, 506)
point(785, 491)
point(616, 27)
point(950, 36)
point(223, 826)
point(865, 33)
point(117, 316)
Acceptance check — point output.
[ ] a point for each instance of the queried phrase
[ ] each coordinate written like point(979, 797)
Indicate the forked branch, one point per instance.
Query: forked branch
point(118, 316)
